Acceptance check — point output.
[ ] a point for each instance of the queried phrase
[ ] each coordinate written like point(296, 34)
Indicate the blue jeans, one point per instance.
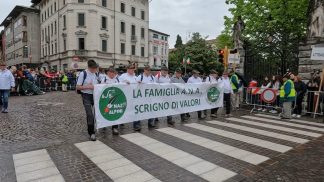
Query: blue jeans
point(4, 98)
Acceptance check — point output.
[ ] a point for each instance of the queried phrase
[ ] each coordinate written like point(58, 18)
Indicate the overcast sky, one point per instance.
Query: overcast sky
point(169, 16)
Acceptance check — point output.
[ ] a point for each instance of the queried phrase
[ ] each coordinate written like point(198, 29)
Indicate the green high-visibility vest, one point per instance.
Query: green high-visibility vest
point(65, 79)
point(292, 91)
point(233, 86)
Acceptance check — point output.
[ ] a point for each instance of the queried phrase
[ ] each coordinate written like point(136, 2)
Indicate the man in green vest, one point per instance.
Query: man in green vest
point(235, 84)
point(287, 97)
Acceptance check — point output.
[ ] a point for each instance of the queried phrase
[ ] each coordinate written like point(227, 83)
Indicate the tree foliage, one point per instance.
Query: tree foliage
point(274, 28)
point(202, 57)
point(178, 42)
point(223, 40)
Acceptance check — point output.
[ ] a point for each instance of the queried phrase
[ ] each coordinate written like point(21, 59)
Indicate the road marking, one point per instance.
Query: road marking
point(197, 166)
point(284, 123)
point(294, 120)
point(261, 132)
point(306, 133)
point(36, 166)
point(243, 138)
point(234, 152)
point(117, 167)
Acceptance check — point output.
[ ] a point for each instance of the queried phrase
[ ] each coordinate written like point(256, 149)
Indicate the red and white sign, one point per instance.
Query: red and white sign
point(268, 96)
point(76, 58)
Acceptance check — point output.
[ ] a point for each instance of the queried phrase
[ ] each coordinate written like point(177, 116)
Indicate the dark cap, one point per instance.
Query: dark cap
point(178, 70)
point(131, 66)
point(92, 64)
point(213, 71)
point(195, 72)
point(147, 67)
point(164, 68)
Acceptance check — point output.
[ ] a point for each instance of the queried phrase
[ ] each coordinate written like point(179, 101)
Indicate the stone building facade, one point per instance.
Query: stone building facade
point(158, 49)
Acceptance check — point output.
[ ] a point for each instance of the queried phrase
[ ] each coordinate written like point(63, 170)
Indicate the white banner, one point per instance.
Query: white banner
point(318, 53)
point(121, 103)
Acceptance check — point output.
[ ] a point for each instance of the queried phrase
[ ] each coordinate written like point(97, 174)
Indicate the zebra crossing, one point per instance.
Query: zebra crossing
point(260, 131)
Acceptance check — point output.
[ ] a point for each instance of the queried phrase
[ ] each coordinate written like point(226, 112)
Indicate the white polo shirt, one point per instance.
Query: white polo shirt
point(108, 80)
point(145, 79)
point(91, 78)
point(162, 79)
point(194, 80)
point(128, 78)
point(211, 79)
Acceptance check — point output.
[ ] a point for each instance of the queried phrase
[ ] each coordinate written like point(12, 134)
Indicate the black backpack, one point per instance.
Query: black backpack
point(84, 77)
point(142, 76)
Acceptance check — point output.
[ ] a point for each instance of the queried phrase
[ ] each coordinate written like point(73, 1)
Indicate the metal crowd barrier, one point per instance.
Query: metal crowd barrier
point(54, 84)
point(311, 100)
point(262, 99)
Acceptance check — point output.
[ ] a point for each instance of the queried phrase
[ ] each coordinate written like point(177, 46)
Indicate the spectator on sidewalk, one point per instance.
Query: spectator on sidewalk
point(86, 81)
point(65, 81)
point(301, 90)
point(287, 97)
point(228, 91)
point(235, 84)
point(7, 83)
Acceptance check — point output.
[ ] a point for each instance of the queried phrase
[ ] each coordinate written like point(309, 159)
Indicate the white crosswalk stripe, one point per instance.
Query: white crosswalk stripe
point(294, 120)
point(284, 123)
point(117, 167)
point(198, 166)
point(243, 138)
point(261, 132)
point(36, 166)
point(231, 151)
point(264, 125)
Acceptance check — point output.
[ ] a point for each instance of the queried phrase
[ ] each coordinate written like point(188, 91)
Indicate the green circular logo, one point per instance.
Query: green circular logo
point(112, 103)
point(213, 94)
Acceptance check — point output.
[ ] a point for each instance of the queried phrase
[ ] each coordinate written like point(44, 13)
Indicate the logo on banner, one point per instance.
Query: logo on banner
point(213, 94)
point(112, 103)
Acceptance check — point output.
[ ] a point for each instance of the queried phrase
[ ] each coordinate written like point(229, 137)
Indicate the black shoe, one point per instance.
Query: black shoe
point(151, 126)
point(156, 119)
point(137, 129)
point(122, 126)
point(115, 131)
point(171, 123)
point(188, 115)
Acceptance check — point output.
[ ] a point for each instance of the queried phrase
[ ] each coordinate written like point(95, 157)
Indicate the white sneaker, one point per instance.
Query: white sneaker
point(264, 110)
point(298, 116)
point(260, 109)
point(274, 111)
point(294, 115)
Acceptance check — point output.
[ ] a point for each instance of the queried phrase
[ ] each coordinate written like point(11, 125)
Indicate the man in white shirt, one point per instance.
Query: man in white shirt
point(228, 91)
point(145, 78)
point(7, 83)
point(213, 78)
point(86, 81)
point(163, 77)
point(110, 78)
point(196, 79)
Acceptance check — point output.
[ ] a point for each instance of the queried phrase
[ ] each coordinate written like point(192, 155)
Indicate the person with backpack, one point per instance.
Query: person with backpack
point(111, 78)
point(163, 77)
point(85, 85)
point(65, 81)
point(213, 78)
point(192, 80)
point(145, 78)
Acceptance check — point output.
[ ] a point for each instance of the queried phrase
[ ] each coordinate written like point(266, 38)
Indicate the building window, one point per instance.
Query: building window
point(122, 27)
point(55, 8)
point(142, 51)
point(162, 51)
point(104, 3)
point(133, 50)
point(64, 44)
point(155, 36)
point(142, 33)
point(55, 28)
point(133, 11)
point(55, 48)
point(51, 9)
point(42, 17)
point(24, 23)
point(104, 45)
point(143, 15)
point(52, 49)
point(52, 31)
point(81, 44)
point(24, 38)
point(104, 22)
point(65, 67)
point(133, 30)
point(25, 52)
point(81, 19)
point(64, 22)
point(122, 7)
point(122, 48)
point(155, 50)
point(64, 2)
point(80, 1)
point(154, 63)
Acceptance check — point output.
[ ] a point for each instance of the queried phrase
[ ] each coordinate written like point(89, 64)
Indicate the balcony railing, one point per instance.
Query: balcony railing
point(134, 38)
point(81, 53)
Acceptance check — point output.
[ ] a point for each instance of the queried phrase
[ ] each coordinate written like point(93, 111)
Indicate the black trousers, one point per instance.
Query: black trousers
point(299, 105)
point(227, 102)
point(88, 106)
point(214, 111)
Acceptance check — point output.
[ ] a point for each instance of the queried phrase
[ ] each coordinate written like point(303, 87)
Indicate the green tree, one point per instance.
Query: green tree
point(224, 40)
point(178, 42)
point(273, 28)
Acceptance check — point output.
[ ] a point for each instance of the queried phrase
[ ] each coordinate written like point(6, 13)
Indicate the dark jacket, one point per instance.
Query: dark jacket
point(300, 88)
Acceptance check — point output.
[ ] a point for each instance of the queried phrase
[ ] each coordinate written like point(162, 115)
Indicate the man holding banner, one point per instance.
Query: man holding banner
point(196, 79)
point(213, 78)
point(163, 77)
